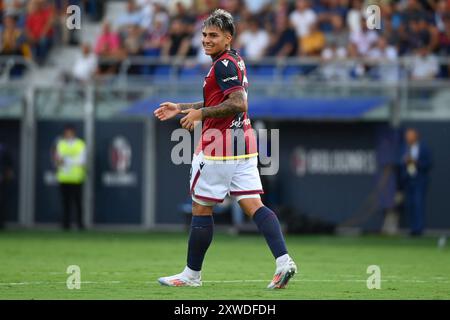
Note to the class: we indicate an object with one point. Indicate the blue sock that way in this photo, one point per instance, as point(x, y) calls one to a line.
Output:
point(200, 238)
point(268, 224)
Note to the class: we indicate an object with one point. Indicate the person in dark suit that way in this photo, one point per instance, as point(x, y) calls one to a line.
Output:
point(415, 168)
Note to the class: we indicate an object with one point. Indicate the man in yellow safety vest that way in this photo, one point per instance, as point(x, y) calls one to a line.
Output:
point(70, 159)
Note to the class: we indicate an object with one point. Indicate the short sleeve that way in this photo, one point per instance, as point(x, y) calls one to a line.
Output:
point(227, 76)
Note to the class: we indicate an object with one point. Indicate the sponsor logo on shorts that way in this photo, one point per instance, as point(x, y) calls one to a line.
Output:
point(239, 123)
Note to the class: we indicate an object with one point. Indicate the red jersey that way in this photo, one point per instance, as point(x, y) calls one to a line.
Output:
point(36, 22)
point(230, 137)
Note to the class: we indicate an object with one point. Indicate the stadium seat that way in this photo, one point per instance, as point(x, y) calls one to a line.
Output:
point(189, 73)
point(251, 71)
point(266, 71)
point(162, 71)
point(290, 72)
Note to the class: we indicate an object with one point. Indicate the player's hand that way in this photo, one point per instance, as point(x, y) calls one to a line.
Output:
point(167, 110)
point(192, 116)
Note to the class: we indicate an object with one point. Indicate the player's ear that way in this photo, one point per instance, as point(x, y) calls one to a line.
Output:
point(229, 37)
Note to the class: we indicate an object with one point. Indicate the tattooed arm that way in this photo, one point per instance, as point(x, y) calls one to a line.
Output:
point(193, 105)
point(168, 110)
point(235, 104)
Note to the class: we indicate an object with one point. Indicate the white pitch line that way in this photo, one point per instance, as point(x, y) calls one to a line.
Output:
point(219, 281)
point(324, 280)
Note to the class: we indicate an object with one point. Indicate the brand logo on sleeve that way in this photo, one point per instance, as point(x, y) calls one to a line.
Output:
point(230, 79)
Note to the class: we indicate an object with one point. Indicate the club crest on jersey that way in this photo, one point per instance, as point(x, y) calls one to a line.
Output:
point(241, 65)
point(225, 62)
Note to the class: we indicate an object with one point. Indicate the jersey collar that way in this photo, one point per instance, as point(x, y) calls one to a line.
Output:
point(222, 53)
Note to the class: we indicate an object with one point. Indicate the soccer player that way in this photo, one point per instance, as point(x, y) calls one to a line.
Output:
point(219, 167)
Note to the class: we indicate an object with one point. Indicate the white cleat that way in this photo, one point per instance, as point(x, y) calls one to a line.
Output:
point(282, 275)
point(180, 280)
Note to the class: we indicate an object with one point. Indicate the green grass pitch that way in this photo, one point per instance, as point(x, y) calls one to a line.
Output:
point(126, 266)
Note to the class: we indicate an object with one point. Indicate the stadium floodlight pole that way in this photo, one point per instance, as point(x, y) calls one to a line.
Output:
point(27, 160)
point(149, 188)
point(89, 136)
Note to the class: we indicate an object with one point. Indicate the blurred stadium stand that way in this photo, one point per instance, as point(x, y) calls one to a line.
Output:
point(108, 78)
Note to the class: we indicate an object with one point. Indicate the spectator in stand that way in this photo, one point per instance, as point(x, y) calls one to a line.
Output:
point(396, 15)
point(355, 16)
point(421, 33)
point(281, 15)
point(330, 14)
point(364, 39)
point(425, 65)
point(179, 42)
point(133, 16)
point(442, 13)
point(13, 40)
point(39, 28)
point(402, 39)
point(407, 25)
point(391, 35)
point(108, 48)
point(133, 39)
point(185, 15)
point(16, 8)
point(86, 65)
point(386, 55)
point(355, 68)
point(256, 7)
point(206, 6)
point(13, 43)
point(283, 42)
point(416, 37)
point(156, 38)
point(302, 18)
point(425, 26)
point(147, 8)
point(156, 19)
point(201, 58)
point(133, 46)
point(234, 7)
point(160, 14)
point(171, 5)
point(333, 66)
point(253, 42)
point(412, 11)
point(313, 43)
